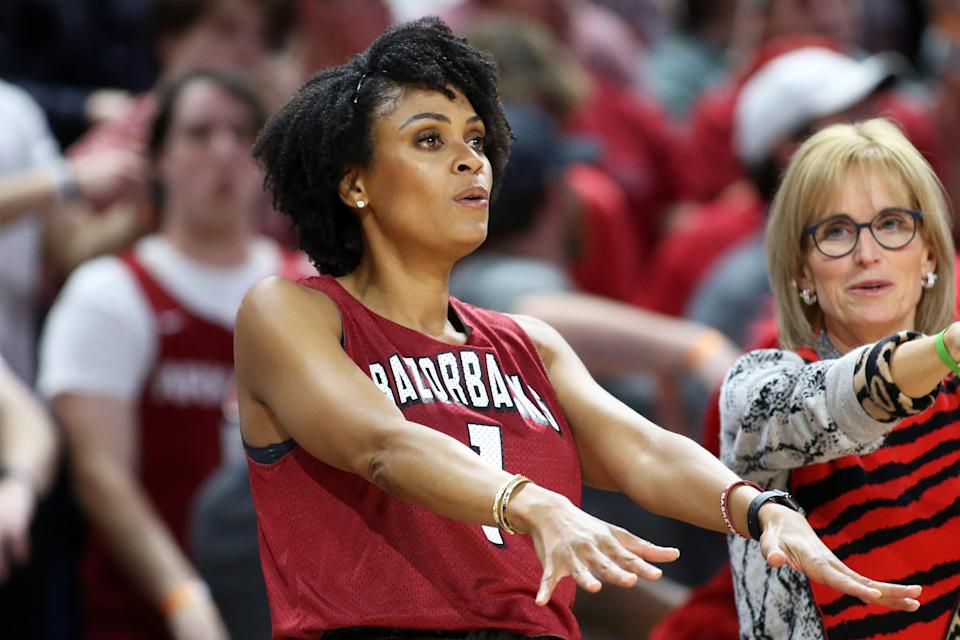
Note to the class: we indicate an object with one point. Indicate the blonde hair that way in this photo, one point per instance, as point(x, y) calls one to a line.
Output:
point(817, 171)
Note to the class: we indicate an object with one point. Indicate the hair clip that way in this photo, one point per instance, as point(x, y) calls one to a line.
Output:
point(356, 94)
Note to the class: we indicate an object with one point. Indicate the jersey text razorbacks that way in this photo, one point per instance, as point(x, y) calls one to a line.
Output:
point(463, 377)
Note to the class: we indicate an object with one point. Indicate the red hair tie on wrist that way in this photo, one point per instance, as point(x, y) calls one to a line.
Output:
point(724, 499)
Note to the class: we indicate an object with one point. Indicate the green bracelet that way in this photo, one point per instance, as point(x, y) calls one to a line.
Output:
point(945, 356)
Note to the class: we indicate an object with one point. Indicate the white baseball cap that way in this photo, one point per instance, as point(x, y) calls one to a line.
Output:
point(797, 87)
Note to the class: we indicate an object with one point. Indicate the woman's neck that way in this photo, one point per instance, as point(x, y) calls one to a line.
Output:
point(415, 296)
point(846, 340)
point(220, 249)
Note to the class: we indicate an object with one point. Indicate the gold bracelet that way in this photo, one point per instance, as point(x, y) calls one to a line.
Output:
point(497, 500)
point(503, 500)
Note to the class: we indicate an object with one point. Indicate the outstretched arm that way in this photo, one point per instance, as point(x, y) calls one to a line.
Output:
point(671, 475)
point(780, 413)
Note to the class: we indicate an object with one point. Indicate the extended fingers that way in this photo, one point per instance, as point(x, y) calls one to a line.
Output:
point(610, 562)
point(896, 591)
point(584, 577)
point(589, 563)
point(554, 572)
point(887, 594)
point(900, 604)
point(592, 551)
point(824, 571)
point(548, 582)
point(643, 548)
point(807, 553)
point(628, 560)
point(826, 568)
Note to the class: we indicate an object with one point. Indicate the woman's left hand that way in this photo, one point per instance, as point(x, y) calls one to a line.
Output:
point(788, 539)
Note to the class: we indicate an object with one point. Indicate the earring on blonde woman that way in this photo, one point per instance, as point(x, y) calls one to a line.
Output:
point(929, 280)
point(808, 296)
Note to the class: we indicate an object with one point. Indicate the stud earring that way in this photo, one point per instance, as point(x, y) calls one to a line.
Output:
point(808, 296)
point(929, 280)
point(361, 204)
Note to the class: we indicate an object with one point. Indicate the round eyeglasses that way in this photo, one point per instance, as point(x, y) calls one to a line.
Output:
point(837, 236)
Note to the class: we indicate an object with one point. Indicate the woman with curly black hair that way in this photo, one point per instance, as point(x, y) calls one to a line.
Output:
point(396, 436)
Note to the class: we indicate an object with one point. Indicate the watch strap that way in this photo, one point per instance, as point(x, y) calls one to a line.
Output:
point(773, 495)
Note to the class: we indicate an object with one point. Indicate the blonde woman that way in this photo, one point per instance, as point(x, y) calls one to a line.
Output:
point(856, 414)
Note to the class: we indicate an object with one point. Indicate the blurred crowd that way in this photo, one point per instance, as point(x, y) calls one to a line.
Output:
point(650, 136)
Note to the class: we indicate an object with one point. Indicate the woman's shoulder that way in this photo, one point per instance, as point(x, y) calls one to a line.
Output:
point(276, 305)
point(539, 332)
point(546, 340)
point(753, 368)
point(767, 358)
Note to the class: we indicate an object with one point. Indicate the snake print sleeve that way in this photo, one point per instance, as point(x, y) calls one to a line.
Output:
point(778, 412)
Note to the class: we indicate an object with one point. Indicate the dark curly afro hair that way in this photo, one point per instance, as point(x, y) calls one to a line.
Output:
point(306, 147)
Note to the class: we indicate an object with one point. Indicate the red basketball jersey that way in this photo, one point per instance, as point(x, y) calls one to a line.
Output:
point(180, 413)
point(337, 551)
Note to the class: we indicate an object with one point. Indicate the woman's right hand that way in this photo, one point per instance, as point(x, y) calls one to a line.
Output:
point(571, 542)
point(788, 539)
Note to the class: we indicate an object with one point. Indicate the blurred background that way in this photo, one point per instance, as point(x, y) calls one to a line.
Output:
point(650, 138)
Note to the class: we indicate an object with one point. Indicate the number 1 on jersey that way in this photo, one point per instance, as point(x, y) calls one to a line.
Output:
point(485, 440)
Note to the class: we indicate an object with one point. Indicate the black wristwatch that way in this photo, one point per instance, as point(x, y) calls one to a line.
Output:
point(774, 495)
